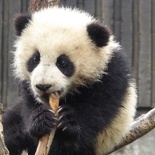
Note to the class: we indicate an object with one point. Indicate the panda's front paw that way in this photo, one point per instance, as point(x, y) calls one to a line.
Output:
point(42, 122)
point(68, 128)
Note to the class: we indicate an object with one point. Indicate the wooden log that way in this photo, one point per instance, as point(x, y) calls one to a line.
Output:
point(108, 13)
point(144, 68)
point(69, 3)
point(153, 54)
point(126, 27)
point(90, 7)
point(5, 49)
point(12, 84)
point(117, 19)
point(1, 61)
point(135, 54)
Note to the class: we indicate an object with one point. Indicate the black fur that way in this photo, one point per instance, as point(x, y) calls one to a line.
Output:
point(21, 22)
point(33, 61)
point(81, 117)
point(98, 34)
point(65, 65)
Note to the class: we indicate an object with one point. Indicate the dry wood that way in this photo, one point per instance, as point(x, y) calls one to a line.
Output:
point(46, 141)
point(36, 5)
point(42, 145)
point(3, 149)
point(54, 103)
point(141, 126)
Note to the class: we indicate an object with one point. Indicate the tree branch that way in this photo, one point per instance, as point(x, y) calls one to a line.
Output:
point(141, 126)
point(3, 149)
point(36, 5)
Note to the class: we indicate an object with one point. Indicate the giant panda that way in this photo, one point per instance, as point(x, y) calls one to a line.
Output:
point(69, 52)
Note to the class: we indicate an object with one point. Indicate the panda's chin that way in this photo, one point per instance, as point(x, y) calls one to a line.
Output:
point(45, 98)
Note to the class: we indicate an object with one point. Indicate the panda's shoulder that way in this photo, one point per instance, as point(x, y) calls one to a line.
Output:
point(119, 63)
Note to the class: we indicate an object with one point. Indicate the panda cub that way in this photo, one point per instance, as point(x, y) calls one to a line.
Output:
point(69, 52)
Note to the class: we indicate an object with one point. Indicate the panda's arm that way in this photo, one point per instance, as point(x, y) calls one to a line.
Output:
point(38, 119)
point(80, 121)
point(16, 139)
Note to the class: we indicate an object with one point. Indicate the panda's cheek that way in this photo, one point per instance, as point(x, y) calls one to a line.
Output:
point(34, 88)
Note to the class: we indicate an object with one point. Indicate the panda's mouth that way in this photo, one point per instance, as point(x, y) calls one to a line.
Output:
point(45, 96)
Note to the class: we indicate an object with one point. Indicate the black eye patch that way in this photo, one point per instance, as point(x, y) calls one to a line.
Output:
point(65, 65)
point(33, 61)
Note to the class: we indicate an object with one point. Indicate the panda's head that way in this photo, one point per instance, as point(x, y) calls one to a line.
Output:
point(58, 49)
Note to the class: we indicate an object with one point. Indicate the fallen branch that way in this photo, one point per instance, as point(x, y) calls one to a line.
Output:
point(36, 5)
point(3, 149)
point(141, 126)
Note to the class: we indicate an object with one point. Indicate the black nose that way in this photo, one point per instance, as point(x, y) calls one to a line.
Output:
point(43, 87)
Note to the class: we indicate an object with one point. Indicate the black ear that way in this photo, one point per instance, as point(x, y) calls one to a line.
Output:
point(20, 23)
point(98, 34)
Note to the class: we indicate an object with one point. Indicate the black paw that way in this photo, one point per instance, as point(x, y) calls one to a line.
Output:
point(68, 129)
point(43, 121)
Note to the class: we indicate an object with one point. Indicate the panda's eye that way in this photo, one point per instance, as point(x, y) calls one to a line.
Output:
point(36, 59)
point(62, 62)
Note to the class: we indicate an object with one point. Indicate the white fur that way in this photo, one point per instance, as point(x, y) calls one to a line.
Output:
point(120, 126)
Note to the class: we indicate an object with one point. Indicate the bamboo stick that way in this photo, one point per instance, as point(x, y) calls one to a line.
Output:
point(46, 141)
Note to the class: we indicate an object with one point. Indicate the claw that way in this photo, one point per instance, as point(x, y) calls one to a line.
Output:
point(60, 117)
point(54, 124)
point(64, 128)
point(51, 111)
point(60, 108)
point(59, 125)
